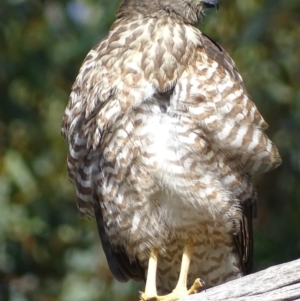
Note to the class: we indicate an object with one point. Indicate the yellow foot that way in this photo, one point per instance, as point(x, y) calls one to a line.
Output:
point(176, 294)
point(197, 286)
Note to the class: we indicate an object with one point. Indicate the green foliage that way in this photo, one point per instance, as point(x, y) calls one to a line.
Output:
point(47, 252)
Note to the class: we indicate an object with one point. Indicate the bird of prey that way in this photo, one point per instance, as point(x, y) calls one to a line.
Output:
point(163, 142)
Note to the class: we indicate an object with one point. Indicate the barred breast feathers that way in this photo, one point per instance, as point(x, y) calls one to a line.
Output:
point(142, 58)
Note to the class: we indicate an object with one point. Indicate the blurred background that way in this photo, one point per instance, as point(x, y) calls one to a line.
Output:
point(47, 251)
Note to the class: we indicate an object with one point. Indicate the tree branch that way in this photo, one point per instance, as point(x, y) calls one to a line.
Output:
point(280, 282)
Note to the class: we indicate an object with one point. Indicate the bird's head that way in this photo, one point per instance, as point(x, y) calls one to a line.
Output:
point(189, 11)
point(210, 3)
point(199, 7)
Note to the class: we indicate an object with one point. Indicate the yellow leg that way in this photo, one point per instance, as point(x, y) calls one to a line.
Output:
point(150, 289)
point(185, 264)
point(181, 287)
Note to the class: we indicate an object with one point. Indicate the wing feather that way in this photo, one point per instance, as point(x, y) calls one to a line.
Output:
point(119, 263)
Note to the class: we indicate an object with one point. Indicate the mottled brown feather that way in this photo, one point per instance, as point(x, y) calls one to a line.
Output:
point(163, 141)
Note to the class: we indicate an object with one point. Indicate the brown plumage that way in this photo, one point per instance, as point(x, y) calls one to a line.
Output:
point(163, 141)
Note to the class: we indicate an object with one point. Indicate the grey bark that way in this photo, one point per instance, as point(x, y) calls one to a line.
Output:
point(280, 282)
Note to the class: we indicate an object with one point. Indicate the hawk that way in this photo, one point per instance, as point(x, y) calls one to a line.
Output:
point(163, 142)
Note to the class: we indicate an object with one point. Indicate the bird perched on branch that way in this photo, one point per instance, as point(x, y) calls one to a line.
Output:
point(163, 142)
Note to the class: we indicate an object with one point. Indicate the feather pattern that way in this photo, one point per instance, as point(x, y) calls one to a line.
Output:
point(163, 141)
